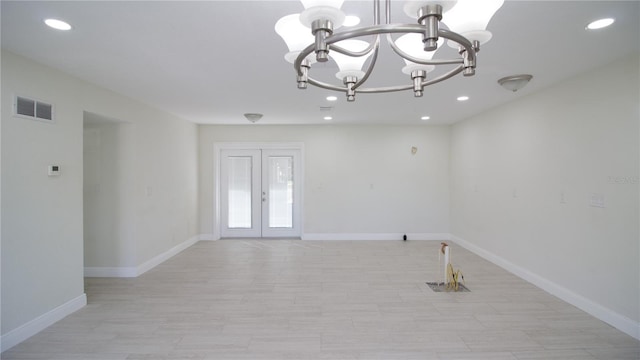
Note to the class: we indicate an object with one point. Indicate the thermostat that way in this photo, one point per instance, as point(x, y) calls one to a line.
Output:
point(54, 170)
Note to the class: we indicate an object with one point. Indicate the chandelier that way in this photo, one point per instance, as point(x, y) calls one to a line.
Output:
point(311, 37)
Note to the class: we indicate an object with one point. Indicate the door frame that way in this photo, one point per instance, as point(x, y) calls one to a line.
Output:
point(217, 165)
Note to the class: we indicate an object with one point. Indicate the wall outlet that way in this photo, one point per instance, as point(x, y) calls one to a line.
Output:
point(597, 200)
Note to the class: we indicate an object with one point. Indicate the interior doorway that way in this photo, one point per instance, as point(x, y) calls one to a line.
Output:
point(108, 194)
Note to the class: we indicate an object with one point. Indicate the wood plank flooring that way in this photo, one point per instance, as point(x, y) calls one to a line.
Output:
point(288, 299)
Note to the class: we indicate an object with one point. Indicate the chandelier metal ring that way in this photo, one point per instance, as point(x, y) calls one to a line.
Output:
point(377, 30)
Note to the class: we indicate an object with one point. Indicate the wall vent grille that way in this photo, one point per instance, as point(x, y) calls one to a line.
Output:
point(33, 109)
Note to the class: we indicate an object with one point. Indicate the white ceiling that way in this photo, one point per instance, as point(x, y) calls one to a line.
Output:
point(211, 61)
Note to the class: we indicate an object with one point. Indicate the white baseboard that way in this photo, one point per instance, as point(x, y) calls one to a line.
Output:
point(142, 268)
point(22, 333)
point(207, 237)
point(110, 272)
point(150, 264)
point(620, 322)
point(374, 236)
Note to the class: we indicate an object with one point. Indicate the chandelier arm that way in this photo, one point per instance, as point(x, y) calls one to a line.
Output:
point(364, 52)
point(416, 60)
point(372, 64)
point(457, 70)
point(325, 85)
point(374, 30)
point(385, 89)
point(376, 12)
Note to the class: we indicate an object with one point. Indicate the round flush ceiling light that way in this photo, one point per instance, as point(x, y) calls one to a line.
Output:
point(57, 24)
point(332, 98)
point(328, 118)
point(463, 98)
point(515, 82)
point(600, 23)
point(425, 118)
point(253, 117)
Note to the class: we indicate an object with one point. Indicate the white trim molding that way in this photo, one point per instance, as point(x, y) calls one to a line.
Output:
point(150, 264)
point(123, 272)
point(375, 236)
point(142, 268)
point(22, 333)
point(620, 322)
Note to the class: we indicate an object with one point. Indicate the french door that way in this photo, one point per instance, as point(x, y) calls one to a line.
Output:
point(260, 193)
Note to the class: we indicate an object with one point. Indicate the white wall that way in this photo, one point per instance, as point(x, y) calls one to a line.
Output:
point(42, 217)
point(523, 176)
point(358, 179)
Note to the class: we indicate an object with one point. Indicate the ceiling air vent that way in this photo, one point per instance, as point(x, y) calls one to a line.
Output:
point(33, 109)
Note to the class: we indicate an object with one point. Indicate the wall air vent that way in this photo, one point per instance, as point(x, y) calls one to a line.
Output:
point(33, 109)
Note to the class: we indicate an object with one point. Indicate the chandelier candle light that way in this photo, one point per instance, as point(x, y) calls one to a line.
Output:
point(311, 37)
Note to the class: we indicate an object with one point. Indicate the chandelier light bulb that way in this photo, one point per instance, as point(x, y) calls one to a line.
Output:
point(350, 65)
point(322, 10)
point(470, 18)
point(351, 20)
point(411, 44)
point(295, 35)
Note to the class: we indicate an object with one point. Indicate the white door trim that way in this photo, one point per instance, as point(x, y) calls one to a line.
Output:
point(217, 150)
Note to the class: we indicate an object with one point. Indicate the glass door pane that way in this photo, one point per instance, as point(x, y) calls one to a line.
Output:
point(239, 192)
point(280, 192)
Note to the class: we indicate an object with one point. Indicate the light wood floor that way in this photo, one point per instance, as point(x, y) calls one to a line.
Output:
point(284, 299)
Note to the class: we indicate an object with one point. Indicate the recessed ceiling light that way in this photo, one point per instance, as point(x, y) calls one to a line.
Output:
point(351, 20)
point(425, 118)
point(57, 24)
point(463, 98)
point(332, 98)
point(600, 23)
point(328, 118)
